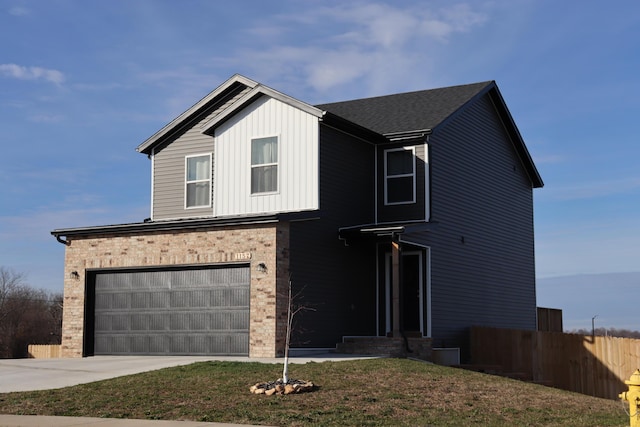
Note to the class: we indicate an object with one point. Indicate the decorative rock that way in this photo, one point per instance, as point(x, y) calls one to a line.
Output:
point(278, 387)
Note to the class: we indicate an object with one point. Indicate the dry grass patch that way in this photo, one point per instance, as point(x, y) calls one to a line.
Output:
point(378, 392)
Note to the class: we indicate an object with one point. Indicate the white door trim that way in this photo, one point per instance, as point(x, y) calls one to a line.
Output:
point(424, 288)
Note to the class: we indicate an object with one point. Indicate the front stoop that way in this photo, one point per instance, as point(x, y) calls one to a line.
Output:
point(418, 348)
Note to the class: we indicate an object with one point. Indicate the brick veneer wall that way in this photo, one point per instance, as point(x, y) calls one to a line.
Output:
point(266, 243)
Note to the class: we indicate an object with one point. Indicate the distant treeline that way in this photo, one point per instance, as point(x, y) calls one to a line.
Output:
point(27, 315)
point(608, 332)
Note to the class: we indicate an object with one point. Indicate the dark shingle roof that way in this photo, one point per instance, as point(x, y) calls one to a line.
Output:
point(408, 111)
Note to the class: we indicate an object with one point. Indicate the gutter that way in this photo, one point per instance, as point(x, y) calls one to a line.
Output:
point(181, 224)
point(141, 227)
point(410, 134)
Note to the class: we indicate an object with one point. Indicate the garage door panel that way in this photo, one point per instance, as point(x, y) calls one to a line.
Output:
point(140, 322)
point(236, 343)
point(238, 320)
point(195, 311)
point(190, 298)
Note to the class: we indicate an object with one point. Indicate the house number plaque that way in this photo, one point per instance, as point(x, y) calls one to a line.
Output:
point(241, 256)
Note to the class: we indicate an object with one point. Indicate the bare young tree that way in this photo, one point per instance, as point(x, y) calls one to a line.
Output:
point(294, 306)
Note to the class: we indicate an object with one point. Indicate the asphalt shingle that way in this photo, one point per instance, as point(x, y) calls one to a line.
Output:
point(408, 111)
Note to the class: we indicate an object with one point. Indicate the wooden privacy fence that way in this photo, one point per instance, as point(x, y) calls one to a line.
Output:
point(596, 366)
point(37, 351)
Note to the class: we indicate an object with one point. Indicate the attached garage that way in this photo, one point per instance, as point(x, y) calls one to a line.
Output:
point(168, 311)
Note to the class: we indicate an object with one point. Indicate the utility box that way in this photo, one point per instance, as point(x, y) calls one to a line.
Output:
point(446, 356)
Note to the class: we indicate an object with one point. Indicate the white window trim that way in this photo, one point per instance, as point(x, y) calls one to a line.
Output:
point(276, 164)
point(186, 182)
point(153, 183)
point(427, 184)
point(412, 175)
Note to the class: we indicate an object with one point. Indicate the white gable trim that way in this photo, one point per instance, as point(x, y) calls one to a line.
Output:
point(253, 94)
point(237, 78)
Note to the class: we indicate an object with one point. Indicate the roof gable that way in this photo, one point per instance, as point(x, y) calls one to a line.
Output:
point(391, 115)
point(233, 86)
point(235, 83)
point(406, 112)
point(426, 111)
point(252, 95)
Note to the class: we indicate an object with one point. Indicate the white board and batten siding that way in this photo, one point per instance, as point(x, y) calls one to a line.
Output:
point(298, 170)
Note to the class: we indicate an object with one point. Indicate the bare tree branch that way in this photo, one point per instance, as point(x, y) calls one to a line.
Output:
point(294, 306)
point(27, 315)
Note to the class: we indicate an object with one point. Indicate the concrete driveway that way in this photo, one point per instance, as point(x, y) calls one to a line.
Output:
point(45, 374)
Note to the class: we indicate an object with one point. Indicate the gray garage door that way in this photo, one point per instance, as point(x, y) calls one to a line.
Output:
point(201, 311)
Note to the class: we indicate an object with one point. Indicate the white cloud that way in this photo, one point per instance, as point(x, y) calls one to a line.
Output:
point(375, 44)
point(19, 11)
point(604, 246)
point(327, 53)
point(461, 18)
point(99, 87)
point(46, 118)
point(592, 189)
point(31, 73)
point(37, 225)
point(82, 210)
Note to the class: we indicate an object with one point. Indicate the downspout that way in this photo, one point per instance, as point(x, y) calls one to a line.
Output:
point(61, 240)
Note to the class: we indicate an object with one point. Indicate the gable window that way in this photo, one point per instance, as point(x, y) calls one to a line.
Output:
point(198, 181)
point(264, 165)
point(399, 176)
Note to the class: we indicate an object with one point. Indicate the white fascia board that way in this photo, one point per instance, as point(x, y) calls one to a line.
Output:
point(252, 94)
point(236, 78)
point(307, 108)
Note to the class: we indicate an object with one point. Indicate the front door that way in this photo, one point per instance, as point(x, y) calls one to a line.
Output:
point(411, 293)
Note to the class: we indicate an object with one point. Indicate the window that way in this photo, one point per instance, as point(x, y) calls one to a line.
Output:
point(198, 181)
point(399, 179)
point(264, 165)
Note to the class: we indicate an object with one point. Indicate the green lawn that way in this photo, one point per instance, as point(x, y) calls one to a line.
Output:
point(374, 392)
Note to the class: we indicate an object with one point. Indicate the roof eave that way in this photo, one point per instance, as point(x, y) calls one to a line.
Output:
point(169, 225)
point(501, 107)
point(516, 138)
point(185, 224)
point(338, 122)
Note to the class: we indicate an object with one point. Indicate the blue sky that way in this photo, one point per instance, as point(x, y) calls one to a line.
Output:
point(83, 83)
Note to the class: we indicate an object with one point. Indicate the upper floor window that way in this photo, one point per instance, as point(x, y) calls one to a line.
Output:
point(198, 181)
point(264, 165)
point(399, 176)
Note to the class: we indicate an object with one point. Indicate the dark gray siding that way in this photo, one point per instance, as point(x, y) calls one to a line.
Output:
point(406, 211)
point(482, 259)
point(337, 281)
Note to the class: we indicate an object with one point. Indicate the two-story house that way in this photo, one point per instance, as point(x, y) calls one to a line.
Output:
point(404, 218)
